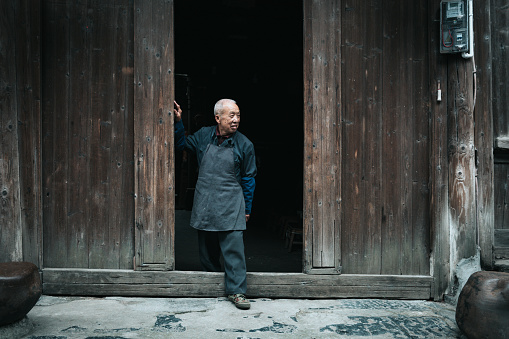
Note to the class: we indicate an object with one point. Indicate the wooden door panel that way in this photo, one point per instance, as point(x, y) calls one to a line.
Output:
point(153, 134)
point(322, 135)
point(367, 203)
point(87, 133)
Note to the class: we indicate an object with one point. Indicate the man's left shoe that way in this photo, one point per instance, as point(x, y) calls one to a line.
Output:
point(240, 301)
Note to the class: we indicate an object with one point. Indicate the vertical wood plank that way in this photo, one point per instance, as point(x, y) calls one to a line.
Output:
point(322, 128)
point(418, 181)
point(405, 220)
point(499, 18)
point(28, 69)
point(484, 132)
point(500, 44)
point(78, 177)
point(308, 218)
point(106, 75)
point(439, 200)
point(88, 134)
point(56, 98)
point(123, 163)
point(461, 150)
point(392, 197)
point(361, 132)
point(10, 206)
point(153, 134)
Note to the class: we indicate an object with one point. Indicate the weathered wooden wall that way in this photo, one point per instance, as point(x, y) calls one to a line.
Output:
point(390, 172)
point(87, 133)
point(500, 51)
point(20, 151)
point(367, 135)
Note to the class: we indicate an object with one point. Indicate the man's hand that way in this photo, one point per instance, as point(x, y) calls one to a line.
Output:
point(247, 217)
point(177, 111)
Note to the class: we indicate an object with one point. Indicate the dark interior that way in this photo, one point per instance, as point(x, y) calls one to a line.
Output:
point(250, 51)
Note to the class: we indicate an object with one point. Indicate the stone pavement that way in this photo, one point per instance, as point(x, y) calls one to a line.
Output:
point(122, 317)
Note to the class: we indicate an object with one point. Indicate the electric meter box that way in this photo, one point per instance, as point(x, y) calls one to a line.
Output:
point(454, 26)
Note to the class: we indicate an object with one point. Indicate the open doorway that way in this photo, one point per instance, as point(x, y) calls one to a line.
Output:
point(250, 51)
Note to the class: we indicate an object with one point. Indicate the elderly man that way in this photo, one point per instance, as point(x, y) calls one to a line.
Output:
point(223, 195)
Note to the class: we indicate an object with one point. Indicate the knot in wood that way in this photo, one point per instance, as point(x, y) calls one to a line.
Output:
point(460, 175)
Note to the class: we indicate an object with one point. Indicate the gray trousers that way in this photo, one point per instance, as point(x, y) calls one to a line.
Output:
point(231, 245)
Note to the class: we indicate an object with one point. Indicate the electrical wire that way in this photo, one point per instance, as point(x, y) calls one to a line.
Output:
point(450, 36)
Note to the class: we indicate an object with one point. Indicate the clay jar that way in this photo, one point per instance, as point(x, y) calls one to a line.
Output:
point(483, 306)
point(20, 288)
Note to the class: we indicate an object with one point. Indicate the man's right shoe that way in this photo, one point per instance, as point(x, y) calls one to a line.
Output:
point(240, 301)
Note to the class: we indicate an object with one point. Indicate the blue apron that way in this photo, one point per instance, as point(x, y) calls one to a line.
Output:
point(218, 198)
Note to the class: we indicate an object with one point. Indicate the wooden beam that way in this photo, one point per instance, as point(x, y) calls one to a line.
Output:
point(205, 284)
point(483, 115)
point(440, 233)
point(461, 150)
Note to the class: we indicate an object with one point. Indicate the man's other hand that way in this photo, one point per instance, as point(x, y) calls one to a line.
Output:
point(247, 217)
point(177, 111)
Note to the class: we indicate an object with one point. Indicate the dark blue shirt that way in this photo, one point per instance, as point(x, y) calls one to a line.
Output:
point(243, 150)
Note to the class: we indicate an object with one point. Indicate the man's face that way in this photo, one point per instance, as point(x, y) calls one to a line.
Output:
point(229, 119)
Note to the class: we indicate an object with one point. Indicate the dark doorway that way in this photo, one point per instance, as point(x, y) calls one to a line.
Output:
point(250, 51)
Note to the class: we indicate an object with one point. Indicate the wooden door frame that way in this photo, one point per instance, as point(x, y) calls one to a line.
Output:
point(314, 283)
point(172, 283)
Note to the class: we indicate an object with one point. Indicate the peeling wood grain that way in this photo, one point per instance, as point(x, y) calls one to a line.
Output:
point(322, 147)
point(483, 129)
point(461, 151)
point(153, 133)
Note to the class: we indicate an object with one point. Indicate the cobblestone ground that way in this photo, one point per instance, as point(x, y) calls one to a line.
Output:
point(66, 317)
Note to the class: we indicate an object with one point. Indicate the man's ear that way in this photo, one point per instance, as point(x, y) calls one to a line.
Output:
point(217, 118)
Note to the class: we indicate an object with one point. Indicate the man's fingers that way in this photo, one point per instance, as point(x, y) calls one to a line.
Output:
point(177, 111)
point(177, 106)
